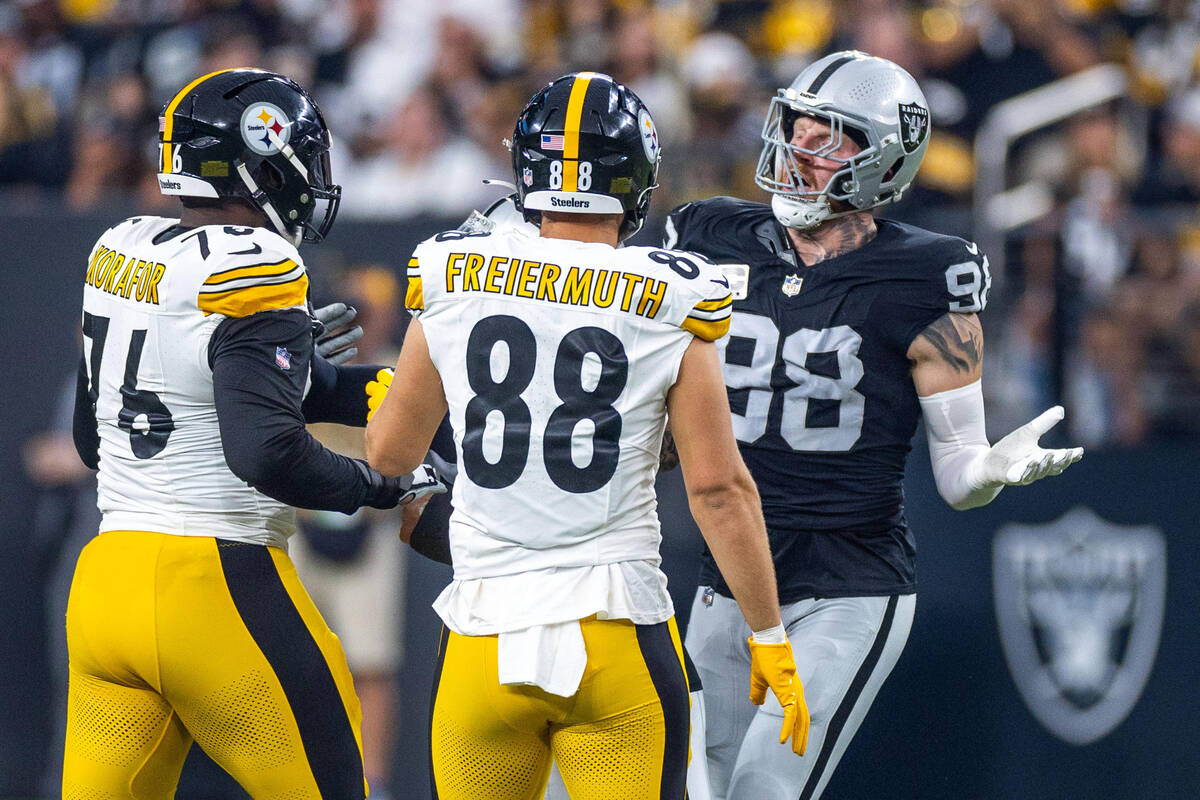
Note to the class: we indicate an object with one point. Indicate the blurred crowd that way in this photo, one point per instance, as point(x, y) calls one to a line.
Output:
point(1098, 303)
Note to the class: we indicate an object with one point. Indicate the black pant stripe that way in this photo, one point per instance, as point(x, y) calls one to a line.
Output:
point(433, 693)
point(662, 662)
point(831, 68)
point(693, 675)
point(279, 631)
point(834, 730)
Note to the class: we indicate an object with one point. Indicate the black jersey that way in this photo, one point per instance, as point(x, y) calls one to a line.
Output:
point(817, 370)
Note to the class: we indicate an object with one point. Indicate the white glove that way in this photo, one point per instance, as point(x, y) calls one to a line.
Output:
point(1017, 460)
point(424, 480)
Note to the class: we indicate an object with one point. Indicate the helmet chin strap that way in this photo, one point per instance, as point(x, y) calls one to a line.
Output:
point(260, 199)
point(803, 215)
point(800, 214)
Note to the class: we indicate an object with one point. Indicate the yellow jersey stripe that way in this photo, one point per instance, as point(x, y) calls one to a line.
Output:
point(169, 116)
point(571, 133)
point(252, 299)
point(254, 270)
point(709, 331)
point(414, 298)
point(715, 305)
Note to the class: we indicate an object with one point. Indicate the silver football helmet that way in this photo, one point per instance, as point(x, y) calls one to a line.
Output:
point(870, 100)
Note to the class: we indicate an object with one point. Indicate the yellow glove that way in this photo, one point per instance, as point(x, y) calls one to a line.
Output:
point(772, 665)
point(376, 389)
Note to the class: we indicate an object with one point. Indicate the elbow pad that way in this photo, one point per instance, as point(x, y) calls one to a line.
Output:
point(954, 428)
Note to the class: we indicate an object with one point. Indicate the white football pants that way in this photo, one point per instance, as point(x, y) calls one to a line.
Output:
point(844, 647)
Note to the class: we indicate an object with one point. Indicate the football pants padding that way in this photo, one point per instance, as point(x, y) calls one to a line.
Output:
point(175, 637)
point(623, 734)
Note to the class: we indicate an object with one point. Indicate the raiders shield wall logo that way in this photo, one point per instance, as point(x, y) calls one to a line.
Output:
point(1079, 604)
point(914, 126)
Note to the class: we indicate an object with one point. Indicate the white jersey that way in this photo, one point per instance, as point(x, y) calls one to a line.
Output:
point(556, 357)
point(149, 311)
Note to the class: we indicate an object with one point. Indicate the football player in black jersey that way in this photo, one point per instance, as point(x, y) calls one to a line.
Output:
point(845, 329)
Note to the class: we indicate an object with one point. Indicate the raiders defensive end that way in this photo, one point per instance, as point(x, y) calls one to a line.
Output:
point(845, 330)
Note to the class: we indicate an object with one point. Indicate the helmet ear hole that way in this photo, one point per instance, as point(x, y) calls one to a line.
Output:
point(893, 169)
point(269, 177)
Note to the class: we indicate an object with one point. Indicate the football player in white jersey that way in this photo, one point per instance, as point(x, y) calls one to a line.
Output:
point(558, 357)
point(186, 620)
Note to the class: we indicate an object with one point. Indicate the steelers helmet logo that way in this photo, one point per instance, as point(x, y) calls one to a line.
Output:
point(265, 128)
point(649, 135)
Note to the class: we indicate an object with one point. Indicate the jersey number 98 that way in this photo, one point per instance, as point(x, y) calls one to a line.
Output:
point(809, 391)
point(572, 381)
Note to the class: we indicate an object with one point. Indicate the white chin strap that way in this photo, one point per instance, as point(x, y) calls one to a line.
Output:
point(268, 208)
point(800, 214)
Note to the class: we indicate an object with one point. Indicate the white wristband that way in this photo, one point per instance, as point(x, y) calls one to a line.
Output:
point(776, 635)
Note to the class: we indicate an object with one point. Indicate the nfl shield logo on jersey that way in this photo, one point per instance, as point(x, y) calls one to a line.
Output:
point(1079, 603)
point(283, 359)
point(527, 176)
point(791, 285)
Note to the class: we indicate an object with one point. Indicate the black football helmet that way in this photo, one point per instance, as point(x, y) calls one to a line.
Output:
point(586, 144)
point(253, 135)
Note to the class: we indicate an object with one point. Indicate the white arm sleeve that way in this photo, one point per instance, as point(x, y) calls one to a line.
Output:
point(954, 427)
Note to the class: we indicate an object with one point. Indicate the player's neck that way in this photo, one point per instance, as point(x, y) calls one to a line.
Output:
point(833, 238)
point(228, 214)
point(602, 228)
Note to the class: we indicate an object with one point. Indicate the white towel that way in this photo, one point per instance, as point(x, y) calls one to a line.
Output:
point(551, 657)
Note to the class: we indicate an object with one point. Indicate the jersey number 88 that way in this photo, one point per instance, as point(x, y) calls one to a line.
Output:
point(579, 402)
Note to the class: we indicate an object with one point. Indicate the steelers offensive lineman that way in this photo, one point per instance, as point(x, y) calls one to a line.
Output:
point(186, 620)
point(558, 357)
point(845, 330)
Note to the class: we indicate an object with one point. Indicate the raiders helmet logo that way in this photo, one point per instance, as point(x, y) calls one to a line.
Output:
point(1079, 603)
point(914, 126)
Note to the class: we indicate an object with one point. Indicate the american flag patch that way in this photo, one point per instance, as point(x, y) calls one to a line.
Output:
point(552, 141)
point(283, 359)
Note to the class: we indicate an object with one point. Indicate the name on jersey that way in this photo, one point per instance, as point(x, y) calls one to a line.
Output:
point(124, 276)
point(550, 283)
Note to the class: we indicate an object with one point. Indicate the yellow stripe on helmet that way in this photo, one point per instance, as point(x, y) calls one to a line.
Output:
point(571, 133)
point(169, 116)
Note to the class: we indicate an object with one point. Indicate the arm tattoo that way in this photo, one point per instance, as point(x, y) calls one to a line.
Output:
point(668, 458)
point(958, 339)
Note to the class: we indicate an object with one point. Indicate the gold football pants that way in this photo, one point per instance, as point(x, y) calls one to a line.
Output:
point(623, 734)
point(181, 638)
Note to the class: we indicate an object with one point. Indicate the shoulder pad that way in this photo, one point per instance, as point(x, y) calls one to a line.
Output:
point(703, 287)
point(714, 226)
point(952, 271)
point(252, 270)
